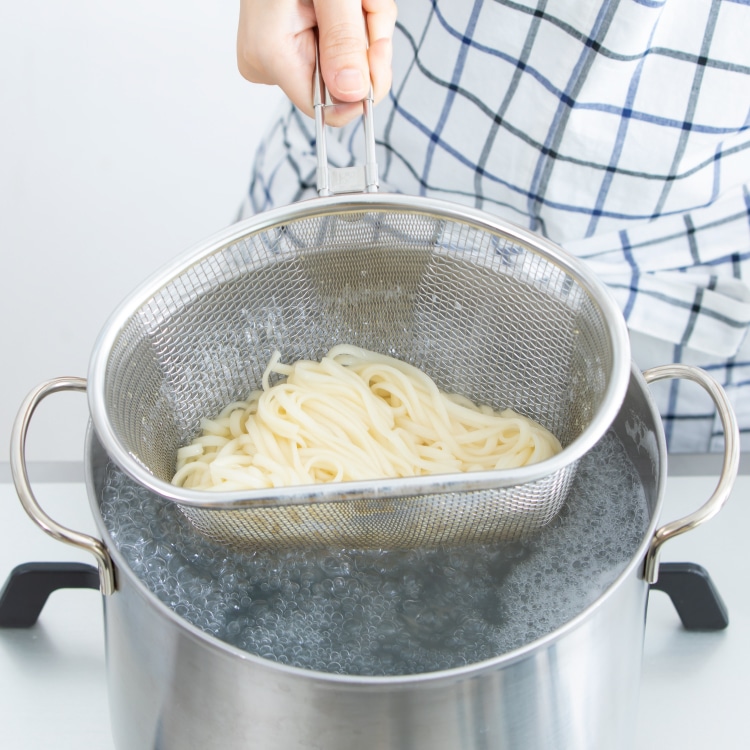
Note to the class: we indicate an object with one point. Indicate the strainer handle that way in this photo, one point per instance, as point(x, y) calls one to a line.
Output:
point(361, 178)
point(26, 495)
point(729, 468)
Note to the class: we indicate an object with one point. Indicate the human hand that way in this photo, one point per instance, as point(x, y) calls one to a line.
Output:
point(276, 45)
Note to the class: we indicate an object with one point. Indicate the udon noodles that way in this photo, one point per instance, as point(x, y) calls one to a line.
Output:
point(354, 415)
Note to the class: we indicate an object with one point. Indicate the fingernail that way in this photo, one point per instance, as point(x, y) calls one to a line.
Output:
point(350, 81)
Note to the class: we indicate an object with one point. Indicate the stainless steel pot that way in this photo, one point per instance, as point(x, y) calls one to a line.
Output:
point(173, 687)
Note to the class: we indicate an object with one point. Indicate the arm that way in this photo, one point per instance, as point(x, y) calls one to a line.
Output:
point(276, 45)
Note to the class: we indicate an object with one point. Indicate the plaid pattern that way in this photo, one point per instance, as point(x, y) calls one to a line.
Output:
point(617, 128)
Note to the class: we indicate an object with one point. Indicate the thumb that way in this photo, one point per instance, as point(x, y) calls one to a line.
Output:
point(343, 49)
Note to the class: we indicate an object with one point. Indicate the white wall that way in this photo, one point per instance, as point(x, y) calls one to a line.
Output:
point(126, 136)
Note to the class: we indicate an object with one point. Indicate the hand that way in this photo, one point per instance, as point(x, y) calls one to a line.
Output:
point(276, 45)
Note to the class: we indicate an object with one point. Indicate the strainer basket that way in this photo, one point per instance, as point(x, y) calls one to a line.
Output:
point(487, 309)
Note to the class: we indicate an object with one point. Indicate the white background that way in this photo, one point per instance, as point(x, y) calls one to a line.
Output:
point(126, 136)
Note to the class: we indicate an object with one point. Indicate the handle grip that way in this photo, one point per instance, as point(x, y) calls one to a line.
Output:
point(361, 178)
point(694, 596)
point(23, 486)
point(729, 468)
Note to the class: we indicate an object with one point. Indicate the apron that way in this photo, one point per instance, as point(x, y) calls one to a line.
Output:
point(620, 130)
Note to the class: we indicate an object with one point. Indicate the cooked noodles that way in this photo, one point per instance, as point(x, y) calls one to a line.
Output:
point(354, 415)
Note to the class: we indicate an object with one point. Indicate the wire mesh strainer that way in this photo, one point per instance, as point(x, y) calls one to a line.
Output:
point(488, 310)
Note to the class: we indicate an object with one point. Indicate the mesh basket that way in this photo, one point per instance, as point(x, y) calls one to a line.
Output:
point(486, 309)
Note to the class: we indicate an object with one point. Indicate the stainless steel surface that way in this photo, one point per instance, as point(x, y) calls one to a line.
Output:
point(26, 495)
point(173, 687)
point(175, 690)
point(60, 663)
point(485, 308)
point(729, 468)
point(576, 689)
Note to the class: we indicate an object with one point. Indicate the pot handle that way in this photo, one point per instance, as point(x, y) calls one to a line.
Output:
point(728, 471)
point(26, 495)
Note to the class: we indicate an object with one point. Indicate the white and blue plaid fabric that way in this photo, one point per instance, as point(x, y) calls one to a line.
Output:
point(618, 128)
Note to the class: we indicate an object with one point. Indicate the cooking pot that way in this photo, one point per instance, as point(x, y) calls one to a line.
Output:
point(175, 687)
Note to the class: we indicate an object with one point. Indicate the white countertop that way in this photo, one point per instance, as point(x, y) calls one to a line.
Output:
point(695, 686)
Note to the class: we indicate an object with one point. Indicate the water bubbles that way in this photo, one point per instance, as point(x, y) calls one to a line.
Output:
point(387, 612)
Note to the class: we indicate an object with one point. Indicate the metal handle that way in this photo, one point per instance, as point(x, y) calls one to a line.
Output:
point(23, 486)
point(362, 178)
point(728, 471)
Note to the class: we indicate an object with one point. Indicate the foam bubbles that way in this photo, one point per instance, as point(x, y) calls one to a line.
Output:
point(387, 612)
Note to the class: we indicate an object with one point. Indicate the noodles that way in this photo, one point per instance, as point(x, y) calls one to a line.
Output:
point(354, 415)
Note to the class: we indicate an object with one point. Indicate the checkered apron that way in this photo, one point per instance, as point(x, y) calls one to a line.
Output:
point(620, 129)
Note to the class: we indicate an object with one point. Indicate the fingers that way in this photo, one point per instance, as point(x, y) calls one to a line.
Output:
point(355, 52)
point(342, 40)
point(276, 45)
point(381, 22)
point(344, 34)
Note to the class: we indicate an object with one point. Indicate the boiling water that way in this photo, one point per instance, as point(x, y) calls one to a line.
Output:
point(388, 612)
